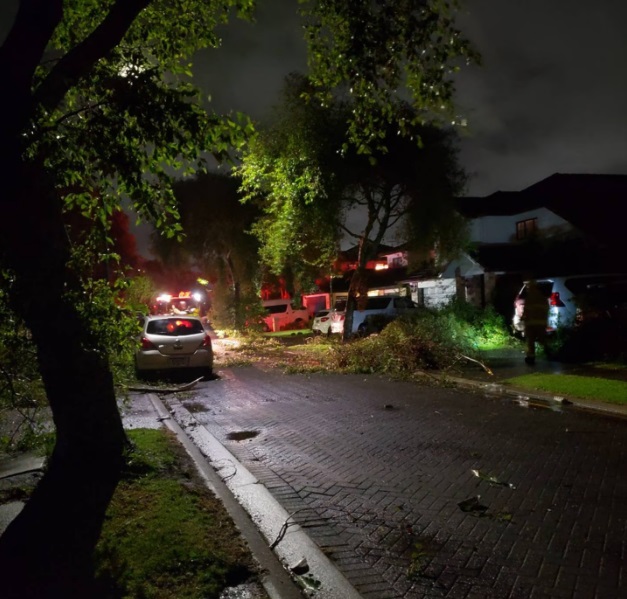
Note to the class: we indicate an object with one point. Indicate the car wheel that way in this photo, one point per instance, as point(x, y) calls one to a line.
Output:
point(207, 374)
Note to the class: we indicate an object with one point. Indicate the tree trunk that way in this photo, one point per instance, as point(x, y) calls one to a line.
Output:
point(47, 550)
point(358, 288)
point(235, 290)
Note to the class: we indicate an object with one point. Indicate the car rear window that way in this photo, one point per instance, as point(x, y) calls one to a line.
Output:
point(176, 327)
point(276, 309)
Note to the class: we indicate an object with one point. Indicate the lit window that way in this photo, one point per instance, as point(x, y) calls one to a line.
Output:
point(526, 228)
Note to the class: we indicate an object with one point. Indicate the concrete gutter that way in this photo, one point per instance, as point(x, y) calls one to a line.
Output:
point(263, 522)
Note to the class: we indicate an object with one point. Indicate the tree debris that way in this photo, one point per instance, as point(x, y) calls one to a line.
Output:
point(492, 480)
point(177, 389)
point(473, 506)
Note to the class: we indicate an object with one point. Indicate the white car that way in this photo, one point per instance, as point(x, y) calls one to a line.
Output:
point(576, 298)
point(174, 343)
point(386, 305)
point(322, 322)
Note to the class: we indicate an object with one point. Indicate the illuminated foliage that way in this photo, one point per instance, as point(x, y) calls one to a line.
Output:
point(310, 188)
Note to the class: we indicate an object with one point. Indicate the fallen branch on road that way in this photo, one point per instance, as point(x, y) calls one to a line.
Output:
point(177, 389)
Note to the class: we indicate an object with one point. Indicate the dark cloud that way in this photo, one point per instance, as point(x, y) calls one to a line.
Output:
point(551, 93)
point(246, 73)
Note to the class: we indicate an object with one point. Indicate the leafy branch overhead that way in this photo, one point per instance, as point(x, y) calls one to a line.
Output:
point(379, 52)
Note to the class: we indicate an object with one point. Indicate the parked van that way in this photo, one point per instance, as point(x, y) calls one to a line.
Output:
point(577, 298)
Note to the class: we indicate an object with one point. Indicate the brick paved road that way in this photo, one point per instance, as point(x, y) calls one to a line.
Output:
point(374, 471)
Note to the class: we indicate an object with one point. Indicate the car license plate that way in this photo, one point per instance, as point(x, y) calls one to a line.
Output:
point(179, 361)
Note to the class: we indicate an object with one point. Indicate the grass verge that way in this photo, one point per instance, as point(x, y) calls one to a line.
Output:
point(165, 534)
point(290, 333)
point(584, 387)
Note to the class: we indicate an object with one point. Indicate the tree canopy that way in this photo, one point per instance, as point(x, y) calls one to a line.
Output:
point(311, 183)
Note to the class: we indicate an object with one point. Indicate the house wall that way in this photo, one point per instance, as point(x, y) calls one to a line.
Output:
point(502, 229)
point(435, 293)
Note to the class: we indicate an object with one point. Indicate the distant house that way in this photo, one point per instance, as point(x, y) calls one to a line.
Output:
point(564, 224)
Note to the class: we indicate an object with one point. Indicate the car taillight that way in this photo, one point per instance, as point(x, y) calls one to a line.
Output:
point(324, 319)
point(206, 342)
point(555, 300)
point(147, 344)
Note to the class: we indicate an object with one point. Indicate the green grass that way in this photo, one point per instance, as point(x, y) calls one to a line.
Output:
point(165, 535)
point(608, 366)
point(289, 333)
point(571, 385)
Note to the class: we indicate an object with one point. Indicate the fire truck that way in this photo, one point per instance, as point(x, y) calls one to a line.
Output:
point(186, 302)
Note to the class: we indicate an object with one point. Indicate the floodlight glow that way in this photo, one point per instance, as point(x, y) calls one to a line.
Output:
point(164, 297)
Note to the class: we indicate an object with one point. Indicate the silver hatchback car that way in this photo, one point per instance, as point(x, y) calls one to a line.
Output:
point(174, 343)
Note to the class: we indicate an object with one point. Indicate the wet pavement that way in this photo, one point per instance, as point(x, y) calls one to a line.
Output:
point(424, 491)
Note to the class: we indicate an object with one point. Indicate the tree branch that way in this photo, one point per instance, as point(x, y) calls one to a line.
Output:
point(20, 54)
point(348, 231)
point(79, 60)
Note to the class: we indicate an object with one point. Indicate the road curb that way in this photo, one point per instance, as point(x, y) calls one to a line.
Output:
point(538, 399)
point(234, 484)
point(274, 578)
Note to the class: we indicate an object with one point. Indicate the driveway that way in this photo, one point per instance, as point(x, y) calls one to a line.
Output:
point(417, 491)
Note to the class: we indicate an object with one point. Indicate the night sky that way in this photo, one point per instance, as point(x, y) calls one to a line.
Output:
point(551, 95)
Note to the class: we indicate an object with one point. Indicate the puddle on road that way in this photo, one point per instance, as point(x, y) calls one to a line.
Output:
point(242, 435)
point(195, 406)
point(527, 402)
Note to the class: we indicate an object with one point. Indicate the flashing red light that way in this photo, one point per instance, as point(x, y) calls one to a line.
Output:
point(555, 300)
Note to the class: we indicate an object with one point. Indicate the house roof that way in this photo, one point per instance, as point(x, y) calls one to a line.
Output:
point(594, 204)
point(350, 254)
point(500, 203)
point(504, 257)
point(376, 279)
